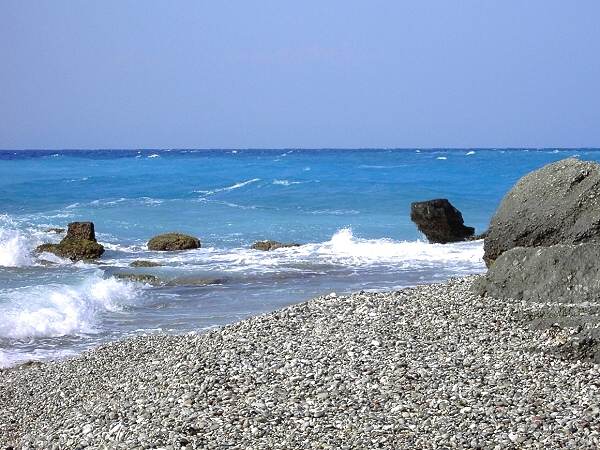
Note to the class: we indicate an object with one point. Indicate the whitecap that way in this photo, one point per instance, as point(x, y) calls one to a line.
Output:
point(58, 310)
point(228, 188)
point(154, 155)
point(471, 152)
point(442, 157)
point(14, 249)
point(286, 182)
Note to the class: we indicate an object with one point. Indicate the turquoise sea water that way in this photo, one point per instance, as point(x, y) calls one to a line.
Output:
point(351, 208)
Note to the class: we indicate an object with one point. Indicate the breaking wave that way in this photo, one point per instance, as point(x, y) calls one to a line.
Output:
point(58, 309)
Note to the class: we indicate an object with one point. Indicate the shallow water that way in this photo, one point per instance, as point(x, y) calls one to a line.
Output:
point(350, 207)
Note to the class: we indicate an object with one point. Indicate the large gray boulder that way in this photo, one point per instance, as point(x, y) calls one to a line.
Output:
point(561, 288)
point(557, 204)
point(555, 274)
point(440, 221)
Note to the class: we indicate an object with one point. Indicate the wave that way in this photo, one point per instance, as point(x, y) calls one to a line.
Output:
point(59, 310)
point(18, 238)
point(471, 152)
point(342, 250)
point(442, 157)
point(335, 212)
point(154, 155)
point(374, 166)
point(345, 248)
point(102, 202)
point(286, 182)
point(228, 188)
point(14, 249)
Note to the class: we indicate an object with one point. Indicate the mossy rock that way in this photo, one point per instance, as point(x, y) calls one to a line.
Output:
point(144, 263)
point(272, 245)
point(74, 249)
point(173, 241)
point(139, 278)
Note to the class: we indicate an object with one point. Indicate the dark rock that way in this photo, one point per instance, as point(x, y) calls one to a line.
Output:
point(55, 230)
point(558, 274)
point(79, 243)
point(439, 221)
point(81, 230)
point(195, 281)
point(173, 241)
point(557, 204)
point(139, 278)
point(144, 263)
point(74, 249)
point(272, 245)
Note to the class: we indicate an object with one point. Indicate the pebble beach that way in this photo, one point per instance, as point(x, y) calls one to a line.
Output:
point(435, 366)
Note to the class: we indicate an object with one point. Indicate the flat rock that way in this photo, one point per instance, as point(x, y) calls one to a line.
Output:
point(272, 245)
point(557, 204)
point(195, 281)
point(144, 263)
point(173, 241)
point(139, 278)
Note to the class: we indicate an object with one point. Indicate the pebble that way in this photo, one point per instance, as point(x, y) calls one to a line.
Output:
point(426, 367)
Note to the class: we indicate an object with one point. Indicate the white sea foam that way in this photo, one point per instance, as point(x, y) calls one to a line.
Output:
point(228, 188)
point(343, 249)
point(154, 155)
point(14, 249)
point(442, 157)
point(471, 152)
point(286, 182)
point(58, 310)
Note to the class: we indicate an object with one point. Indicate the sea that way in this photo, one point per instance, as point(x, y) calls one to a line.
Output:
point(349, 208)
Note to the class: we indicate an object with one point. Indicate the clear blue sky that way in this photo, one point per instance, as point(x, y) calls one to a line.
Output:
point(229, 74)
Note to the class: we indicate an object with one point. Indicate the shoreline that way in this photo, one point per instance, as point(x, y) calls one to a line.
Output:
point(423, 367)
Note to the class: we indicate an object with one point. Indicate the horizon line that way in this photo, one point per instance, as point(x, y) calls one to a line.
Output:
point(287, 148)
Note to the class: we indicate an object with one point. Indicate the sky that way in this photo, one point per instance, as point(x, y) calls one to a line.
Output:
point(309, 74)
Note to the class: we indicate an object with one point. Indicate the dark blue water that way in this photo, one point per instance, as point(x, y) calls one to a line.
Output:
point(350, 206)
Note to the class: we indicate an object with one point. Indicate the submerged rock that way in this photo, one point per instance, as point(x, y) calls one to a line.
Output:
point(195, 281)
point(79, 243)
point(144, 263)
point(439, 221)
point(272, 245)
point(557, 204)
point(173, 241)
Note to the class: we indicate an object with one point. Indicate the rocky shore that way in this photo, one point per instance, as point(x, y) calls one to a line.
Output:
point(435, 366)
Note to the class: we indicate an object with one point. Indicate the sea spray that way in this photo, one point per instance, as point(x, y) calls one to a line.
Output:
point(58, 310)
